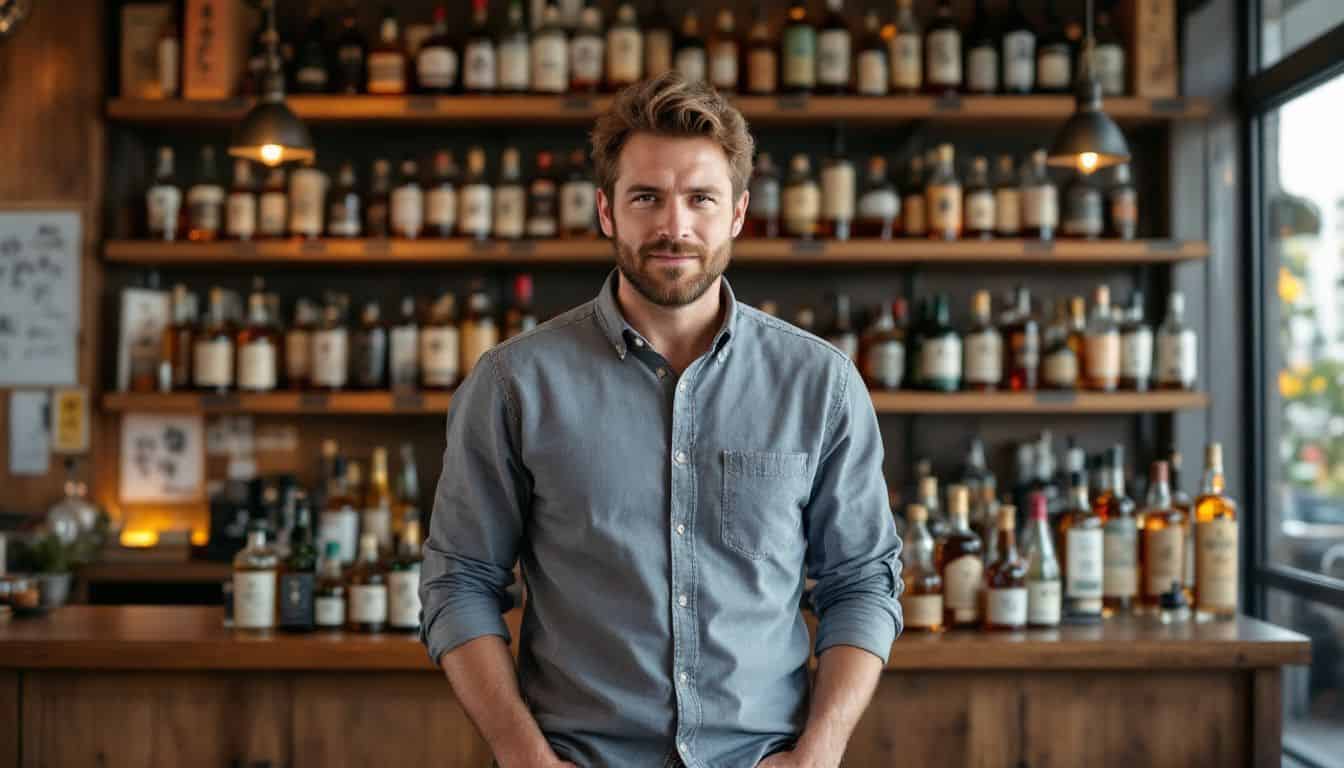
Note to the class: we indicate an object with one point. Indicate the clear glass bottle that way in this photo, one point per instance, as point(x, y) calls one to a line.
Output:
point(1136, 348)
point(983, 347)
point(376, 514)
point(1101, 356)
point(1044, 592)
point(476, 200)
point(960, 563)
point(1216, 555)
point(329, 594)
point(403, 580)
point(367, 587)
point(255, 570)
point(1177, 348)
point(1108, 55)
point(163, 200)
point(943, 197)
point(1080, 532)
point(403, 357)
point(922, 597)
point(1120, 544)
point(1162, 546)
point(1006, 594)
point(340, 518)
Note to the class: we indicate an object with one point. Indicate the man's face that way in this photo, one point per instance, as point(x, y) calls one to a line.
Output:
point(672, 216)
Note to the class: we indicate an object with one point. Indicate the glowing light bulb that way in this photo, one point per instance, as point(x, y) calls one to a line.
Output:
point(271, 153)
point(1087, 162)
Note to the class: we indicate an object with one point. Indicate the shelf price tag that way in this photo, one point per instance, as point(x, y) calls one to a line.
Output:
point(576, 104)
point(422, 104)
point(408, 401)
point(809, 247)
point(378, 246)
point(312, 246)
point(522, 246)
point(947, 103)
point(313, 400)
point(1056, 397)
point(1038, 246)
point(220, 401)
point(792, 102)
point(1167, 106)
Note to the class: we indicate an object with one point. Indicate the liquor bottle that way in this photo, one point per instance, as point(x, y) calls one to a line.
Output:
point(480, 332)
point(799, 51)
point(906, 46)
point(872, 69)
point(519, 317)
point(1006, 595)
point(763, 210)
point(587, 51)
point(942, 52)
point(479, 64)
point(658, 38)
point(914, 213)
point(542, 203)
point(1059, 368)
point(1054, 54)
point(982, 54)
point(177, 343)
point(254, 583)
point(1040, 200)
point(1136, 348)
point(403, 358)
point(922, 597)
point(476, 201)
point(1019, 52)
point(1084, 216)
point(378, 215)
point(340, 519)
point(1081, 535)
point(1078, 332)
point(329, 593)
point(436, 62)
point(837, 191)
point(943, 196)
point(1177, 348)
point(273, 205)
point(299, 346)
point(387, 61)
point(407, 491)
point(1182, 501)
point(205, 201)
point(1120, 545)
point(1122, 205)
point(1165, 532)
point(984, 517)
point(762, 57)
point(307, 197)
point(1043, 571)
point(1215, 542)
point(258, 348)
point(691, 58)
point(880, 203)
point(1007, 199)
point(841, 333)
point(960, 564)
point(403, 581)
point(407, 202)
point(376, 514)
point(439, 345)
point(240, 210)
point(368, 360)
point(1101, 356)
point(983, 366)
point(1023, 342)
point(367, 587)
point(510, 197)
point(515, 53)
point(578, 199)
point(624, 49)
point(163, 200)
point(311, 72)
point(834, 50)
point(212, 347)
point(884, 350)
point(977, 477)
point(928, 497)
point(351, 52)
point(1108, 55)
point(802, 200)
point(940, 351)
point(441, 202)
point(550, 53)
point(331, 351)
point(167, 58)
point(981, 218)
point(299, 577)
point(344, 213)
point(723, 53)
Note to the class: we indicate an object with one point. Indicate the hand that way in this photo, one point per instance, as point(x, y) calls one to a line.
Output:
point(795, 758)
point(543, 757)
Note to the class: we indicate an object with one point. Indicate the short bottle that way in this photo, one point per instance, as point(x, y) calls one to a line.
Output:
point(1044, 587)
point(273, 205)
point(982, 369)
point(1122, 207)
point(942, 52)
point(884, 350)
point(879, 205)
point(922, 598)
point(587, 51)
point(255, 569)
point(367, 586)
point(960, 564)
point(1083, 209)
point(1006, 594)
point(403, 580)
point(205, 200)
point(1082, 539)
point(329, 595)
point(1177, 348)
point(943, 197)
point(914, 212)
point(298, 580)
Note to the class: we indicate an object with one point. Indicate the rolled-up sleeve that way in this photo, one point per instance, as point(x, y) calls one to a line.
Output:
point(853, 549)
point(478, 517)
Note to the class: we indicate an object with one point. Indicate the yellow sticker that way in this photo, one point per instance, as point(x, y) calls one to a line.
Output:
point(70, 421)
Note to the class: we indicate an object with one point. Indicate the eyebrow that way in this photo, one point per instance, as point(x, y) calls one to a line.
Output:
point(641, 189)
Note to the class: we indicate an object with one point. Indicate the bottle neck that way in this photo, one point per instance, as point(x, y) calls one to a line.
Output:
point(1159, 495)
point(1007, 544)
point(1079, 495)
point(1213, 480)
point(256, 539)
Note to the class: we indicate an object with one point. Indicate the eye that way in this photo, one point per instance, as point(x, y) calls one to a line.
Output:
point(702, 199)
point(644, 198)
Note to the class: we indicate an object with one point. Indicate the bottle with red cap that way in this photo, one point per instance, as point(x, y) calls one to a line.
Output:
point(519, 317)
point(1043, 575)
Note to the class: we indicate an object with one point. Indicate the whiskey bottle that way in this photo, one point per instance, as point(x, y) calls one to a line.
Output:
point(943, 196)
point(837, 191)
point(1054, 54)
point(1043, 572)
point(1136, 348)
point(480, 332)
point(299, 346)
point(914, 213)
point(802, 200)
point(298, 579)
point(331, 350)
point(578, 199)
point(872, 72)
point(587, 51)
point(351, 52)
point(799, 51)
point(879, 205)
point(834, 50)
point(519, 317)
point(441, 203)
point(763, 209)
point(1082, 537)
point(1120, 545)
point(1078, 332)
point(542, 205)
point(983, 367)
point(240, 211)
point(976, 476)
point(367, 588)
point(307, 197)
point(1177, 348)
point(163, 200)
point(1165, 530)
point(762, 57)
point(1023, 341)
point(1059, 368)
point(510, 197)
point(376, 514)
point(723, 53)
point(1122, 205)
point(982, 55)
point(841, 333)
point(1040, 200)
point(387, 61)
point(906, 47)
point(981, 217)
point(1215, 542)
point(625, 49)
point(658, 39)
point(479, 63)
point(515, 53)
point(178, 343)
point(212, 355)
point(984, 516)
point(691, 58)
point(884, 351)
point(345, 215)
point(806, 318)
point(340, 519)
point(1007, 199)
point(439, 345)
point(403, 358)
point(1019, 52)
point(407, 203)
point(960, 564)
point(1083, 210)
point(436, 62)
point(258, 348)
point(1101, 356)
point(273, 205)
point(922, 597)
point(329, 593)
point(1182, 501)
point(1108, 56)
point(254, 583)
point(403, 581)
point(312, 67)
point(550, 53)
point(408, 491)
point(378, 216)
point(1006, 596)
point(168, 55)
point(205, 201)
point(476, 202)
point(368, 363)
point(942, 52)
point(940, 351)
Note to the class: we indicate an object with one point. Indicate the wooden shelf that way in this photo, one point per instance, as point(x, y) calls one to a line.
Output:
point(772, 252)
point(581, 109)
point(917, 403)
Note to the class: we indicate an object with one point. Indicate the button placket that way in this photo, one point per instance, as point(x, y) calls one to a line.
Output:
point(682, 581)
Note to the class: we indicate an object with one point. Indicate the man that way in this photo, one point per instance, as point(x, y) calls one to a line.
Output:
point(666, 463)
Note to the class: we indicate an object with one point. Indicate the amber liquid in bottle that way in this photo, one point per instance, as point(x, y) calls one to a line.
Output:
point(922, 598)
point(1120, 545)
point(1215, 542)
point(1022, 342)
point(1006, 578)
point(1080, 554)
point(960, 564)
point(367, 587)
point(1162, 539)
point(178, 342)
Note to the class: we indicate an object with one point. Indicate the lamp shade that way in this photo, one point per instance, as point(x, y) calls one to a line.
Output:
point(1089, 139)
point(271, 134)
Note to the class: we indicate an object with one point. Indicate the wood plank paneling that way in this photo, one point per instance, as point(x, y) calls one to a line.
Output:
point(10, 729)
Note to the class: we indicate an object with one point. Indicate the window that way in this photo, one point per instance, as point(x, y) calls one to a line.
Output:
point(1287, 25)
point(1313, 697)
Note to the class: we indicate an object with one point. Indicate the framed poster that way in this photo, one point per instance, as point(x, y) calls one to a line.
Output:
point(40, 253)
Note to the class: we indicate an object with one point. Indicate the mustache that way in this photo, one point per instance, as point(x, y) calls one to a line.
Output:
point(674, 247)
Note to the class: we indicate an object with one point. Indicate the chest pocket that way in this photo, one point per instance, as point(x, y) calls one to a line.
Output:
point(763, 493)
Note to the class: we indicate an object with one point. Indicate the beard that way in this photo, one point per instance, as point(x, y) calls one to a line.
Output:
point(670, 285)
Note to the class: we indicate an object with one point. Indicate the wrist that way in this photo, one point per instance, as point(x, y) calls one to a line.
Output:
point(817, 747)
point(529, 749)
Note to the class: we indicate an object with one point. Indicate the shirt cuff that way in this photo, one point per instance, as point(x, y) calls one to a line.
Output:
point(459, 621)
point(866, 622)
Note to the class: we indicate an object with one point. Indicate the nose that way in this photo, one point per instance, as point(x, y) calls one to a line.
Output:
point(675, 223)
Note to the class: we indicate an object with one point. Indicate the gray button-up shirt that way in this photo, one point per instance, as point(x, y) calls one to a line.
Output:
point(664, 525)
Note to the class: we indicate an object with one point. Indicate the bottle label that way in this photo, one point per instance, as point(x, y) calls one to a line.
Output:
point(980, 211)
point(764, 198)
point(1216, 565)
point(1178, 358)
point(1019, 61)
point(762, 71)
point(436, 67)
point(914, 221)
point(441, 208)
point(578, 205)
point(273, 214)
point(879, 205)
point(256, 366)
point(800, 57)
point(387, 72)
point(1053, 68)
point(961, 588)
point(1084, 217)
point(329, 611)
point(298, 346)
point(802, 206)
point(1136, 354)
point(1061, 369)
point(164, 204)
point(439, 356)
point(657, 52)
point(585, 57)
point(403, 589)
point(404, 357)
point(940, 359)
point(1043, 600)
point(1040, 207)
point(984, 357)
point(296, 600)
point(1164, 551)
point(922, 611)
point(305, 202)
point(331, 349)
point(906, 62)
point(1120, 565)
point(213, 363)
point(205, 203)
point(549, 64)
point(477, 339)
point(509, 206)
point(982, 69)
point(1083, 580)
point(690, 62)
point(873, 76)
point(240, 218)
point(944, 213)
point(624, 54)
point(723, 65)
point(351, 61)
point(1102, 355)
point(942, 61)
point(378, 521)
point(408, 210)
point(886, 364)
point(833, 57)
point(1006, 607)
point(479, 71)
point(343, 219)
point(254, 599)
point(514, 65)
point(837, 192)
point(1124, 209)
point(341, 526)
point(474, 210)
point(311, 78)
point(1109, 61)
point(1008, 211)
point(368, 604)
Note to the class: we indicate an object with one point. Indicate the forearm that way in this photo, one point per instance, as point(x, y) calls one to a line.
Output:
point(485, 681)
point(845, 680)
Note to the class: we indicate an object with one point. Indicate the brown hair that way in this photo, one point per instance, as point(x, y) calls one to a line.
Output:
point(670, 105)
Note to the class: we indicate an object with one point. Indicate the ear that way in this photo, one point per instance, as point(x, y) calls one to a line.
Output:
point(604, 214)
point(740, 212)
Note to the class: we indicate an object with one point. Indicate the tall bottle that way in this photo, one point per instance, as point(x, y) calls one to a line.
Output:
point(1022, 340)
point(442, 203)
point(922, 597)
point(403, 357)
point(407, 490)
point(480, 332)
point(625, 49)
point(1165, 530)
point(578, 199)
point(1006, 595)
point(340, 518)
point(942, 52)
point(240, 210)
point(1019, 52)
point(763, 211)
point(436, 63)
point(960, 564)
point(376, 514)
point(258, 348)
point(884, 349)
point(762, 56)
point(367, 587)
point(514, 71)
point(254, 583)
point(841, 333)
point(403, 580)
point(329, 592)
point(1044, 593)
point(543, 208)
point(479, 63)
point(331, 350)
point(298, 355)
point(1215, 541)
point(178, 345)
point(940, 351)
point(1054, 54)
point(273, 205)
point(982, 54)
point(799, 51)
point(1177, 348)
point(1120, 544)
point(163, 200)
point(312, 70)
point(872, 75)
point(205, 200)
point(587, 51)
point(1101, 356)
point(307, 198)
point(906, 49)
point(1082, 538)
point(439, 345)
point(834, 50)
point(368, 363)
point(378, 214)
point(1122, 205)
point(1136, 348)
point(550, 53)
point(983, 366)
point(690, 57)
point(345, 214)
point(837, 191)
point(510, 198)
point(1040, 200)
point(212, 364)
point(802, 200)
point(914, 212)
point(1108, 57)
point(981, 217)
point(387, 61)
point(298, 580)
point(476, 201)
point(351, 53)
point(943, 193)
point(407, 214)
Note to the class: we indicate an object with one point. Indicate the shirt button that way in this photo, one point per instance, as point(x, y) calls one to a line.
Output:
point(639, 342)
point(662, 373)
point(680, 458)
point(681, 387)
point(682, 746)
point(682, 677)
point(681, 529)
point(682, 601)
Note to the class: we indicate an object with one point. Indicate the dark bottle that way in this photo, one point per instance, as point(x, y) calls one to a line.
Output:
point(980, 213)
point(578, 199)
point(407, 214)
point(479, 67)
point(940, 351)
point(1040, 200)
point(658, 37)
point(515, 53)
point(798, 44)
point(763, 209)
point(519, 318)
point(724, 58)
point(762, 56)
point(212, 359)
point(163, 200)
point(475, 199)
point(240, 210)
point(1108, 57)
point(872, 68)
point(943, 197)
point(510, 215)
point(1006, 577)
point(403, 580)
point(1122, 205)
point(914, 214)
point(436, 63)
point(378, 213)
point(205, 200)
point(1120, 543)
point(298, 578)
point(312, 68)
point(841, 333)
point(329, 597)
point(880, 203)
point(1054, 56)
point(543, 200)
point(942, 52)
point(1022, 340)
point(960, 563)
point(982, 54)
point(837, 191)
point(1083, 209)
point(1019, 51)
point(442, 205)
point(834, 50)
point(691, 58)
point(386, 63)
point(625, 49)
point(587, 51)
point(368, 364)
point(1007, 199)
point(344, 213)
point(351, 52)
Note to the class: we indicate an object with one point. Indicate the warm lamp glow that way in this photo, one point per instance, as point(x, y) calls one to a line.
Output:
point(139, 538)
point(1087, 162)
point(199, 537)
point(271, 154)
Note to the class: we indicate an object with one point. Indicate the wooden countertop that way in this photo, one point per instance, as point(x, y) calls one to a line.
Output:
point(193, 638)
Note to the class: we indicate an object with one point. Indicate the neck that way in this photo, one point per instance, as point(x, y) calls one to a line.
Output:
point(680, 334)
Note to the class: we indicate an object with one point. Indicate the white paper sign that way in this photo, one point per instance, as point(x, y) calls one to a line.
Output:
point(29, 433)
point(162, 457)
point(39, 297)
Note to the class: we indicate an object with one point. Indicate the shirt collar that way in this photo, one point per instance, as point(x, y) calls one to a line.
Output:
point(620, 334)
